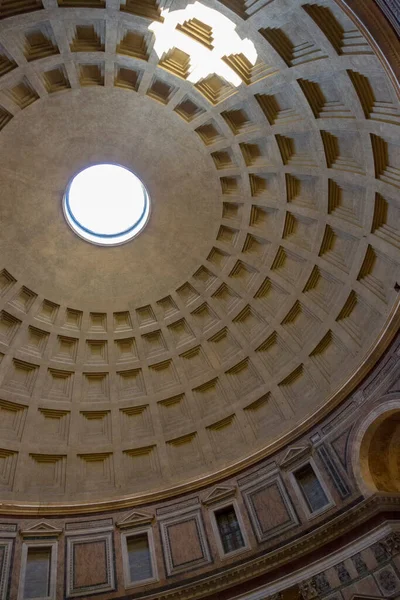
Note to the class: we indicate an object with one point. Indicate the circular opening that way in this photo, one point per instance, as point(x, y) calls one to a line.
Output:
point(106, 204)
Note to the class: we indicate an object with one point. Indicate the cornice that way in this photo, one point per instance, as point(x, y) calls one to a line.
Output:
point(269, 562)
point(375, 25)
point(277, 558)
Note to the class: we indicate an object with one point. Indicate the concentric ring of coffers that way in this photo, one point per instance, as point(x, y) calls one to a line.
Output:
point(300, 125)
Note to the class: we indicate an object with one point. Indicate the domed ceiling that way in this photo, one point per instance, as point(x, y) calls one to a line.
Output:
point(267, 135)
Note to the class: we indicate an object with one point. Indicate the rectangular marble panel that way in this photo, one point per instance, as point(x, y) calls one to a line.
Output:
point(184, 541)
point(190, 550)
point(90, 564)
point(269, 507)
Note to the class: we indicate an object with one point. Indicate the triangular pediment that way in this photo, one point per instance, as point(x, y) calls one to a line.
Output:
point(294, 454)
point(135, 519)
point(41, 529)
point(219, 493)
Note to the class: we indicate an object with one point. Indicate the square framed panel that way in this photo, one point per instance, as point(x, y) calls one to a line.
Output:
point(194, 552)
point(97, 552)
point(269, 507)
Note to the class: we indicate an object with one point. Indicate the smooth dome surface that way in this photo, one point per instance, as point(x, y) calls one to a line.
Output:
point(265, 277)
point(75, 138)
point(106, 204)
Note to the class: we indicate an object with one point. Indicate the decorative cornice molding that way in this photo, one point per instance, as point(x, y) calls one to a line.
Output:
point(270, 561)
point(375, 25)
point(309, 588)
point(391, 9)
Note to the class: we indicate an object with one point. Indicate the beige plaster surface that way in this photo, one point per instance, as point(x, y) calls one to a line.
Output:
point(49, 142)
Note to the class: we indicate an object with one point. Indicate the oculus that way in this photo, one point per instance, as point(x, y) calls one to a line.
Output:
point(106, 204)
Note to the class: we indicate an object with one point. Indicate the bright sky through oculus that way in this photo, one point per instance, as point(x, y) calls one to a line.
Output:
point(106, 204)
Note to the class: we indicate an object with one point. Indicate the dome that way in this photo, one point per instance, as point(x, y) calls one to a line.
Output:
point(266, 273)
point(253, 283)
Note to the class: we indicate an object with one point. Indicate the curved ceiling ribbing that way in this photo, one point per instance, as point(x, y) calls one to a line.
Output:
point(265, 274)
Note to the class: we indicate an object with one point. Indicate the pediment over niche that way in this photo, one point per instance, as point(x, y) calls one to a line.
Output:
point(294, 454)
point(135, 519)
point(219, 493)
point(41, 529)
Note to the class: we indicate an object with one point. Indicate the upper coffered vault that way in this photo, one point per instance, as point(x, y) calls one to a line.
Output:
point(267, 134)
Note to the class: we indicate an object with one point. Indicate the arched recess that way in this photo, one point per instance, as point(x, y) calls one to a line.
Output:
point(376, 455)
